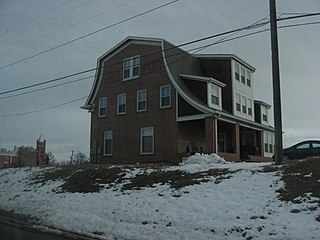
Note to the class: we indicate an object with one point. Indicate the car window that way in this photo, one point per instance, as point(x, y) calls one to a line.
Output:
point(303, 146)
point(316, 145)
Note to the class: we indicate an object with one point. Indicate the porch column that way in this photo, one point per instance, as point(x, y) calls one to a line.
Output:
point(238, 140)
point(210, 134)
point(262, 144)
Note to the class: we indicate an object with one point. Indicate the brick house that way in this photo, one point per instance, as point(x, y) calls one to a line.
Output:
point(154, 102)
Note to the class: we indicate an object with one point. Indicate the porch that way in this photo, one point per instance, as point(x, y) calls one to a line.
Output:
point(232, 141)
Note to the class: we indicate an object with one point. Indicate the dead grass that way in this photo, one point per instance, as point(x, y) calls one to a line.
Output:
point(93, 178)
point(301, 179)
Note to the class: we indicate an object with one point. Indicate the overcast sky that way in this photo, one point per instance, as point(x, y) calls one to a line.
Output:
point(33, 26)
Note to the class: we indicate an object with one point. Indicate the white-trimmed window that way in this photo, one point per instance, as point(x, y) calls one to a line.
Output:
point(244, 104)
point(147, 140)
point(121, 103)
point(249, 107)
point(215, 94)
point(107, 143)
point(141, 100)
point(131, 67)
point(237, 71)
point(243, 75)
point(266, 142)
point(165, 96)
point(264, 114)
point(248, 77)
point(238, 102)
point(102, 107)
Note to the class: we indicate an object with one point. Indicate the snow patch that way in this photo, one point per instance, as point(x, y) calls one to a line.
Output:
point(203, 159)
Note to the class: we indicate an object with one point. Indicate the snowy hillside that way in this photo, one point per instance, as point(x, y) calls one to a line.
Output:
point(203, 198)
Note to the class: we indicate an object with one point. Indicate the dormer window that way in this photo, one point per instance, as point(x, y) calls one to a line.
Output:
point(265, 114)
point(215, 94)
point(131, 68)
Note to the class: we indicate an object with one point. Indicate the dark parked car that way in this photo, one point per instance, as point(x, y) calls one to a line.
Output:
point(302, 150)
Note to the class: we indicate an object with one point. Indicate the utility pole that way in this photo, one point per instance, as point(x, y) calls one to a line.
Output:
point(71, 157)
point(276, 84)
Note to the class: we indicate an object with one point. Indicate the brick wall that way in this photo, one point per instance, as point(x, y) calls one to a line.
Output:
point(126, 128)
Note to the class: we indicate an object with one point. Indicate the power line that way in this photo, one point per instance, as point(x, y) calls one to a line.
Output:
point(120, 62)
point(133, 17)
point(89, 34)
point(49, 81)
point(226, 40)
point(32, 27)
point(299, 16)
point(184, 44)
point(45, 88)
point(67, 27)
point(42, 14)
point(43, 109)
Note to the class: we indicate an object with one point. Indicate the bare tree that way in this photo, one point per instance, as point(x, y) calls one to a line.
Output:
point(79, 158)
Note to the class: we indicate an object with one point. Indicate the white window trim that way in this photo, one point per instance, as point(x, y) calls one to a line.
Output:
point(106, 100)
point(145, 109)
point(264, 111)
point(118, 103)
point(161, 87)
point(130, 68)
point(210, 87)
point(238, 94)
point(248, 77)
point(244, 104)
point(104, 143)
point(249, 106)
point(141, 137)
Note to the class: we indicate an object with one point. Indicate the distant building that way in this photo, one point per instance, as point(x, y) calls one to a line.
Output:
point(7, 157)
point(154, 102)
point(29, 156)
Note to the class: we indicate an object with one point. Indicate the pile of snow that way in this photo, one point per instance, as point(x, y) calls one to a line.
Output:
point(203, 159)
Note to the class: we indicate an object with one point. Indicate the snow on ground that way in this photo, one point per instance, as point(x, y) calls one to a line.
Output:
point(244, 206)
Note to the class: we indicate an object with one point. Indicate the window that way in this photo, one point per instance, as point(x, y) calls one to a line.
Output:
point(215, 94)
point(271, 144)
point(121, 103)
point(108, 143)
point(102, 107)
point(268, 143)
point(244, 104)
point(316, 145)
point(266, 140)
point(304, 146)
point(165, 96)
point(237, 71)
point(131, 68)
point(243, 73)
point(147, 140)
point(141, 100)
point(249, 107)
point(248, 76)
point(265, 114)
point(238, 102)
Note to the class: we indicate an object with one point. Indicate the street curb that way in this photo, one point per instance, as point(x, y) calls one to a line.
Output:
point(29, 223)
